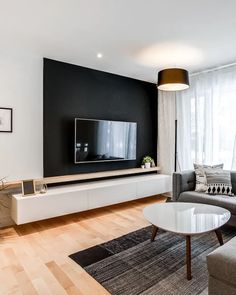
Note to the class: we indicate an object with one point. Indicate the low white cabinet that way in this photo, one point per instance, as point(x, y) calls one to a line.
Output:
point(152, 185)
point(73, 198)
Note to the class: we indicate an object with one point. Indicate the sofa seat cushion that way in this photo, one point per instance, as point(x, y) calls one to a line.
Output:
point(221, 262)
point(223, 201)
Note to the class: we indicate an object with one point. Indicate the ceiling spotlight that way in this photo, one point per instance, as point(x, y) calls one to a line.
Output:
point(99, 55)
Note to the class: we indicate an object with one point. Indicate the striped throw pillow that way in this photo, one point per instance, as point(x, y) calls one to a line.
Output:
point(201, 181)
point(218, 182)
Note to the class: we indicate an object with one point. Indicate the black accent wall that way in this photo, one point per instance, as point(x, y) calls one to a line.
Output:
point(72, 91)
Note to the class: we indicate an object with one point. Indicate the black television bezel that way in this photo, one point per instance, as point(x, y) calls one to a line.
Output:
point(102, 161)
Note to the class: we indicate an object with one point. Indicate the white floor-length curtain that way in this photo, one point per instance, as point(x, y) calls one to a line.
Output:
point(166, 131)
point(206, 115)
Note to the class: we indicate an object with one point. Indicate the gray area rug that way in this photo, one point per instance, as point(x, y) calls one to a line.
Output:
point(132, 265)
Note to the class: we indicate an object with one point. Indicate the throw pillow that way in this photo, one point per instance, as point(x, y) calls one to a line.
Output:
point(201, 181)
point(218, 182)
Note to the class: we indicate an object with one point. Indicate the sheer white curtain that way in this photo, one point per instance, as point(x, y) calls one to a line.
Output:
point(206, 115)
point(166, 131)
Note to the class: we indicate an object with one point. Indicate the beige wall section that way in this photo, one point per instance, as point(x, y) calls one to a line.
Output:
point(21, 88)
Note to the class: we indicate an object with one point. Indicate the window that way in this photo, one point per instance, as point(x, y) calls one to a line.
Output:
point(207, 120)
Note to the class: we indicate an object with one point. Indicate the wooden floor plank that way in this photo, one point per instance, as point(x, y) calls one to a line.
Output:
point(62, 278)
point(34, 257)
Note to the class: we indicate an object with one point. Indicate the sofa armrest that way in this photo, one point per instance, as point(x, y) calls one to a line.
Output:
point(183, 181)
point(221, 264)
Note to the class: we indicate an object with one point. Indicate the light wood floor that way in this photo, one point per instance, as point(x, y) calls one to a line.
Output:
point(34, 257)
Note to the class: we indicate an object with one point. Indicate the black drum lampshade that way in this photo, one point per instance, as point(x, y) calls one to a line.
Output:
point(174, 79)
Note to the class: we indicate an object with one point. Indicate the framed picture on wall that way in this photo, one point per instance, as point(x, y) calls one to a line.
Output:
point(5, 119)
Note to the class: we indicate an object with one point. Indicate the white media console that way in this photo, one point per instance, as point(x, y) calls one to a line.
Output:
point(72, 198)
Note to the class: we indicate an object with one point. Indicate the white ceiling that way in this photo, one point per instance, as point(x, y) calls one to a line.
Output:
point(136, 37)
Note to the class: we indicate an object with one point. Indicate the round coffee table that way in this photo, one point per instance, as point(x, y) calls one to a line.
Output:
point(186, 219)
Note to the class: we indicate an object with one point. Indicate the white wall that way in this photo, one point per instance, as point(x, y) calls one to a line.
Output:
point(21, 88)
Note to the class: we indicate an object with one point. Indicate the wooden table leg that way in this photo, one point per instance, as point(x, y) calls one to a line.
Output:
point(154, 232)
point(188, 257)
point(219, 236)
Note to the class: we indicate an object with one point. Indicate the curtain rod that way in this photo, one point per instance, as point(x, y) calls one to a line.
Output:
point(213, 69)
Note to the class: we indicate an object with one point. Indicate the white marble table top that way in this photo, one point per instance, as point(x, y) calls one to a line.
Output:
point(186, 218)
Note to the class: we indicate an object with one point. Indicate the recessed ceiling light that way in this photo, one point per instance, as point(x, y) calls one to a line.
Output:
point(99, 55)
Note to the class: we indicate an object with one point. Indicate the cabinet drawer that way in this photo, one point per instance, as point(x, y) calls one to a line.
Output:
point(153, 187)
point(111, 195)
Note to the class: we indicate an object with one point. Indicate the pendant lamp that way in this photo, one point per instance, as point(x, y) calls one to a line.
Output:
point(173, 79)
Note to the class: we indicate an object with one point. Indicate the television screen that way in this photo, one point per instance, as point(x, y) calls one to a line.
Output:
point(102, 140)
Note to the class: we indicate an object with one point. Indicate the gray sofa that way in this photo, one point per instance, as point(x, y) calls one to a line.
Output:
point(221, 262)
point(221, 265)
point(183, 191)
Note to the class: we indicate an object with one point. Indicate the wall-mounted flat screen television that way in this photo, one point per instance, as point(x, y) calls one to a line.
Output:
point(103, 140)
